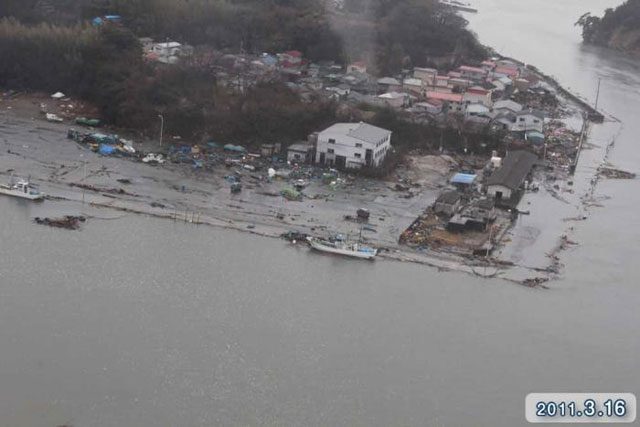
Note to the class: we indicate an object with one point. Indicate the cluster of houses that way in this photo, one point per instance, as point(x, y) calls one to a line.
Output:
point(470, 205)
point(477, 94)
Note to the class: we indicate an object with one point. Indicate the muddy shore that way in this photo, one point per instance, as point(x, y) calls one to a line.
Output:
point(72, 175)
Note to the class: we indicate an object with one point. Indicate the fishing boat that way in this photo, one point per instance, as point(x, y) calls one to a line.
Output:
point(338, 247)
point(21, 189)
point(465, 7)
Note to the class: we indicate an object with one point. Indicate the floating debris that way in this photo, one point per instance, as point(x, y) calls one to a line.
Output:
point(537, 282)
point(295, 237)
point(90, 187)
point(68, 222)
point(616, 173)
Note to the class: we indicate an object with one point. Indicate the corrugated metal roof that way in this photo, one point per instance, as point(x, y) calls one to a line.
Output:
point(369, 133)
point(463, 178)
point(362, 131)
point(388, 81)
point(515, 168)
point(413, 82)
point(507, 104)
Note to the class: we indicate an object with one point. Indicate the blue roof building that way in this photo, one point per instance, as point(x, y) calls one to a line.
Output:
point(463, 179)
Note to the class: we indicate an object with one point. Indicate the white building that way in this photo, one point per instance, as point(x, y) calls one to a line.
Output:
point(478, 96)
point(506, 181)
point(300, 152)
point(389, 84)
point(170, 52)
point(427, 75)
point(413, 86)
point(478, 113)
point(357, 67)
point(529, 120)
point(508, 105)
point(431, 106)
point(394, 99)
point(473, 73)
point(353, 145)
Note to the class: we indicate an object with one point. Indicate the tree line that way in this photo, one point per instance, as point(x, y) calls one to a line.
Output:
point(614, 23)
point(61, 51)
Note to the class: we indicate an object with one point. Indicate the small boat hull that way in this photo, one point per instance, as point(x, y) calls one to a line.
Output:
point(21, 191)
point(351, 250)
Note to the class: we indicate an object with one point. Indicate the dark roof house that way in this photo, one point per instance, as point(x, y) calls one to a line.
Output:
point(515, 168)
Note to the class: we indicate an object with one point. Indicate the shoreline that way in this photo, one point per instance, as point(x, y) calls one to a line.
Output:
point(260, 214)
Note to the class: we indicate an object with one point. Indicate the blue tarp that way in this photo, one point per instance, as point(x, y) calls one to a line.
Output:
point(269, 60)
point(463, 178)
point(212, 144)
point(107, 150)
point(236, 148)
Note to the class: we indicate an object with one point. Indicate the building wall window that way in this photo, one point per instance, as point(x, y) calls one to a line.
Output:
point(332, 141)
point(330, 151)
point(358, 145)
point(358, 155)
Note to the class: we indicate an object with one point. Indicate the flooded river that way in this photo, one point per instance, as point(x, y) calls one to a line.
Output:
point(143, 322)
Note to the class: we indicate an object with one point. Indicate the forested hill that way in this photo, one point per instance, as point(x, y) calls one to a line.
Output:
point(51, 45)
point(619, 28)
point(397, 31)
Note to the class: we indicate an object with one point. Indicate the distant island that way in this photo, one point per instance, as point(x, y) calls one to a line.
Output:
point(618, 29)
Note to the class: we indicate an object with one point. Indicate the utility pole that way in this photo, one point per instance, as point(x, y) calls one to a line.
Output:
point(161, 128)
point(84, 180)
point(598, 94)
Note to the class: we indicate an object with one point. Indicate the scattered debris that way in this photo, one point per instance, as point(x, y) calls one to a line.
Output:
point(152, 158)
point(295, 237)
point(83, 121)
point(67, 222)
point(53, 118)
point(616, 173)
point(291, 195)
point(102, 190)
point(534, 283)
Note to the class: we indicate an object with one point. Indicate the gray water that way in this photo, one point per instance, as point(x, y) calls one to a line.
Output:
point(144, 322)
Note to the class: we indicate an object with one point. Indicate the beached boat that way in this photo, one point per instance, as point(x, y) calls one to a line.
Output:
point(465, 7)
point(355, 250)
point(21, 189)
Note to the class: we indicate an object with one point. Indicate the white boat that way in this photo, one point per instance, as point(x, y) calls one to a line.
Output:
point(21, 189)
point(465, 7)
point(355, 250)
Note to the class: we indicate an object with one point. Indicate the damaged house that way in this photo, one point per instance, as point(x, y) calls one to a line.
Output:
point(505, 183)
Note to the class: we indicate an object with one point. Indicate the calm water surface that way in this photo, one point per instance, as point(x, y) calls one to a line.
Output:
point(142, 322)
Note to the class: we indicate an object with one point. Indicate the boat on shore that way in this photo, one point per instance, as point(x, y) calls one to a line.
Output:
point(21, 189)
point(338, 247)
point(465, 7)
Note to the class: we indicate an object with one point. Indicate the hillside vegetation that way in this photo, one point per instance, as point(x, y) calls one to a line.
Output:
point(619, 28)
point(51, 46)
